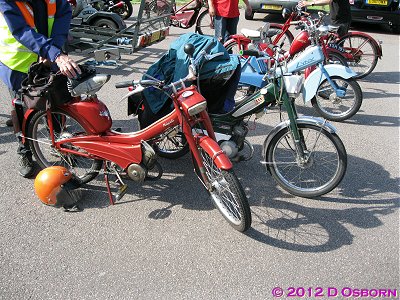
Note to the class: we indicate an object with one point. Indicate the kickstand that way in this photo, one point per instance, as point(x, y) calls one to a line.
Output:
point(112, 202)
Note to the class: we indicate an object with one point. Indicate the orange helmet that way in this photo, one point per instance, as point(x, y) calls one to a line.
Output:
point(55, 186)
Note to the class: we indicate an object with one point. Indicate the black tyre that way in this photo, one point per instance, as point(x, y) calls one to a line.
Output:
point(172, 146)
point(285, 41)
point(319, 174)
point(105, 23)
point(332, 107)
point(65, 126)
point(361, 53)
point(227, 194)
point(125, 11)
point(205, 24)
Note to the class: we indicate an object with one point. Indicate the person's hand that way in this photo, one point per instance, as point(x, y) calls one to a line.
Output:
point(211, 11)
point(45, 61)
point(248, 10)
point(67, 66)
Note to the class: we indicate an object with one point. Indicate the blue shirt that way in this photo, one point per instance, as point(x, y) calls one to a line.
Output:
point(38, 42)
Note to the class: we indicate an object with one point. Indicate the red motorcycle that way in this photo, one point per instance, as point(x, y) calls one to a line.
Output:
point(359, 49)
point(78, 135)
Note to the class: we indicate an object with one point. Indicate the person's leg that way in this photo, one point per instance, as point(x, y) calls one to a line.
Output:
point(26, 166)
point(231, 27)
point(220, 28)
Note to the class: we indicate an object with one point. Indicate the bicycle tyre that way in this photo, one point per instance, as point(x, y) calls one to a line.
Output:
point(334, 108)
point(310, 181)
point(86, 169)
point(204, 24)
point(227, 195)
point(361, 53)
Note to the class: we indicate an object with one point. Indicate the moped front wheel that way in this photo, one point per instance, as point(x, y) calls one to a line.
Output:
point(329, 105)
point(226, 193)
point(321, 167)
point(65, 126)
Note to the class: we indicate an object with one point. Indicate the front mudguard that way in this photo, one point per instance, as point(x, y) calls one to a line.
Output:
point(302, 120)
point(313, 81)
point(212, 148)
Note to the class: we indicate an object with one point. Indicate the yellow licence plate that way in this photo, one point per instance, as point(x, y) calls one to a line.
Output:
point(377, 2)
point(274, 7)
point(155, 36)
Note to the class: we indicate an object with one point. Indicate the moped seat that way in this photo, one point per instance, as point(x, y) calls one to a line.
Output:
point(251, 34)
point(256, 34)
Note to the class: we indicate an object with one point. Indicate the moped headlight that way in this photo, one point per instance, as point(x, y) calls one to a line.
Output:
point(197, 108)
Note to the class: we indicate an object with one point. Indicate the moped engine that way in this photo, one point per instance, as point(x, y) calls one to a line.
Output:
point(236, 142)
point(136, 172)
point(139, 172)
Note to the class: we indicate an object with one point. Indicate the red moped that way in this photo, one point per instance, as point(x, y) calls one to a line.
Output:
point(78, 135)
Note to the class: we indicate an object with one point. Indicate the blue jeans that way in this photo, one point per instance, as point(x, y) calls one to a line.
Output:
point(224, 27)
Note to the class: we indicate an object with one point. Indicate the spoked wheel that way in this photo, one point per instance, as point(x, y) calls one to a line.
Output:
point(361, 53)
point(205, 24)
point(323, 167)
point(65, 126)
point(333, 107)
point(227, 194)
point(232, 47)
point(172, 145)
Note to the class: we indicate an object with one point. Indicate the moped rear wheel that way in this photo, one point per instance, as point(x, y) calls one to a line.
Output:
point(65, 126)
point(361, 53)
point(320, 173)
point(205, 24)
point(226, 193)
point(332, 107)
point(171, 146)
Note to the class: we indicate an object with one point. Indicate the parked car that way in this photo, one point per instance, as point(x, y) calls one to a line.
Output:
point(366, 11)
point(376, 12)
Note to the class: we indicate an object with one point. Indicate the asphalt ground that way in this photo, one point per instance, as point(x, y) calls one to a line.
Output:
point(165, 240)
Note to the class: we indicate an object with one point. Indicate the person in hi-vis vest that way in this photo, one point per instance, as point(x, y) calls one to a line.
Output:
point(31, 31)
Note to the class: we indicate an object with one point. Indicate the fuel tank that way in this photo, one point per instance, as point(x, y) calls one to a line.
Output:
point(92, 114)
point(299, 43)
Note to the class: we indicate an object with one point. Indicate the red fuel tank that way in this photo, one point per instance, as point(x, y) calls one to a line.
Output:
point(91, 113)
point(299, 43)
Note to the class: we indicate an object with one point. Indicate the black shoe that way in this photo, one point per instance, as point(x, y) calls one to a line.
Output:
point(26, 166)
point(9, 123)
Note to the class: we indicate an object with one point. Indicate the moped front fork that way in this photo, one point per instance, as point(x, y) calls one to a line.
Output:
point(340, 92)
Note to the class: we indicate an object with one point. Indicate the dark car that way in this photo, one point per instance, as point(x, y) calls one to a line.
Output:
point(366, 11)
point(376, 12)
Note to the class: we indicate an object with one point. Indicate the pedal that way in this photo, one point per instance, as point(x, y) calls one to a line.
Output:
point(121, 192)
